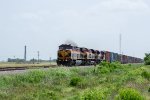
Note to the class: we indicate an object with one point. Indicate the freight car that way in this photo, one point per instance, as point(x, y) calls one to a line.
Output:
point(69, 55)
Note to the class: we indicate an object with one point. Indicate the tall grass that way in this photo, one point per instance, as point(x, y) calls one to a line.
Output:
point(102, 82)
point(129, 94)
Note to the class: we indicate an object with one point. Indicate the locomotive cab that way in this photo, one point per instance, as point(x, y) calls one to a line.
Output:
point(68, 55)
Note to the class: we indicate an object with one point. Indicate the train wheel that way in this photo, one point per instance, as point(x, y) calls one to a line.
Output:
point(70, 63)
point(58, 63)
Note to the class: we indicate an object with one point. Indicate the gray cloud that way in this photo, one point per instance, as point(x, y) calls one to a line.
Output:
point(123, 5)
point(43, 25)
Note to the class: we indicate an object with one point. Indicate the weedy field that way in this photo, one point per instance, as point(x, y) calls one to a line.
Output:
point(30, 65)
point(103, 82)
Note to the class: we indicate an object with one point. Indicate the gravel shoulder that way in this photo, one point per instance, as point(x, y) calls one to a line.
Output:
point(27, 70)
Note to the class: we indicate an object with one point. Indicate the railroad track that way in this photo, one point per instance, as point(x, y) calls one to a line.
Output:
point(24, 67)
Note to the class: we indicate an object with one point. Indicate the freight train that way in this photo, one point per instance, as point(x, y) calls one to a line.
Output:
point(69, 55)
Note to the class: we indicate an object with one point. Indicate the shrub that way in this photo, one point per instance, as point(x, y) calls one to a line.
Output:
point(104, 63)
point(75, 81)
point(5, 81)
point(115, 65)
point(104, 70)
point(147, 59)
point(48, 95)
point(83, 84)
point(149, 90)
point(94, 95)
point(129, 94)
point(3, 95)
point(106, 67)
point(146, 75)
point(129, 65)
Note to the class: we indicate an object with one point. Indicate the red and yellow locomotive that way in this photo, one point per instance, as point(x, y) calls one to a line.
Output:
point(69, 55)
point(72, 55)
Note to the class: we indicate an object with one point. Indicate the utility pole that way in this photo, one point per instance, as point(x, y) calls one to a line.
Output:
point(50, 60)
point(25, 53)
point(33, 60)
point(14, 57)
point(38, 56)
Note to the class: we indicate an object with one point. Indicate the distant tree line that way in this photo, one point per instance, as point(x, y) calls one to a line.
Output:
point(18, 60)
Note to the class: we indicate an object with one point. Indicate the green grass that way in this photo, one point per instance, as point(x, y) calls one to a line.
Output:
point(103, 82)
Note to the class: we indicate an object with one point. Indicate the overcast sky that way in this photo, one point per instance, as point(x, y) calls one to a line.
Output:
point(43, 25)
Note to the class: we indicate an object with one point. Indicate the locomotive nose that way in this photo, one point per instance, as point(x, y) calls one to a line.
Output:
point(63, 53)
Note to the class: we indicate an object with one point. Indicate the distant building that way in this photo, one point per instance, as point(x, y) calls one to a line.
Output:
point(15, 60)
